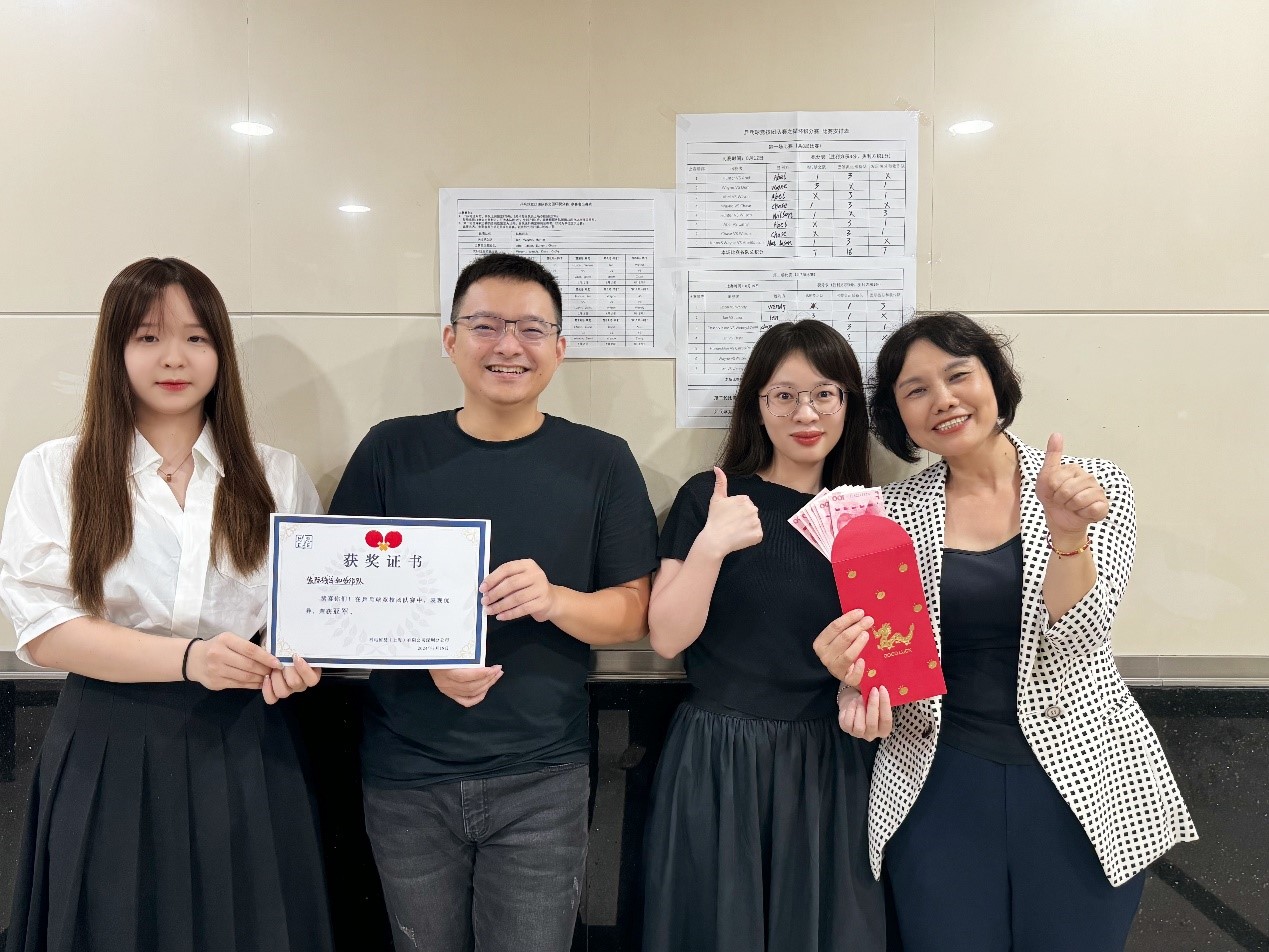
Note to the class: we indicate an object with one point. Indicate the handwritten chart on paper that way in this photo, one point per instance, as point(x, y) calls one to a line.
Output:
point(602, 246)
point(785, 216)
point(723, 311)
point(809, 184)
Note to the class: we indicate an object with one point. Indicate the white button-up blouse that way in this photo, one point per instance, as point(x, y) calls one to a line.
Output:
point(167, 584)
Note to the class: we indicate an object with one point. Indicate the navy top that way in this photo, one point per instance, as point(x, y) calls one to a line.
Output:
point(568, 496)
point(980, 611)
point(754, 655)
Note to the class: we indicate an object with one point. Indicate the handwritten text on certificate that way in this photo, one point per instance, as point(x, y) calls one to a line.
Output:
point(602, 246)
point(369, 592)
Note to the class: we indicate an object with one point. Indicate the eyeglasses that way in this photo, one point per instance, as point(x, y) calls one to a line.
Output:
point(783, 401)
point(530, 330)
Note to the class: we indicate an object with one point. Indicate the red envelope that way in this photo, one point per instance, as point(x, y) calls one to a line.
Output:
point(875, 566)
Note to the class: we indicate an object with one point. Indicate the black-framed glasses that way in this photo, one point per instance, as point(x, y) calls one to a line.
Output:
point(824, 400)
point(487, 328)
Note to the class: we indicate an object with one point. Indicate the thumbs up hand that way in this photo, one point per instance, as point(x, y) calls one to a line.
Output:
point(1072, 499)
point(732, 523)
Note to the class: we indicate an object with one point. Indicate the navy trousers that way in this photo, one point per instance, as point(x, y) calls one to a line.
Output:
point(991, 859)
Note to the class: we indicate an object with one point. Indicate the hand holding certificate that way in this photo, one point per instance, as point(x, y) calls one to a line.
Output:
point(370, 592)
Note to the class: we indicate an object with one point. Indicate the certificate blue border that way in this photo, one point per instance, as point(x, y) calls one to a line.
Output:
point(481, 525)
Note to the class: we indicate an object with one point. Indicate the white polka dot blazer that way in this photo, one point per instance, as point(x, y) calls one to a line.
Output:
point(1085, 727)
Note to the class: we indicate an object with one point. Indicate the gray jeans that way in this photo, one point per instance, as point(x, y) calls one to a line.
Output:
point(492, 865)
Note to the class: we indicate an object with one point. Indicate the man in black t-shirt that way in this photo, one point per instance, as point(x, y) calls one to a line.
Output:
point(475, 780)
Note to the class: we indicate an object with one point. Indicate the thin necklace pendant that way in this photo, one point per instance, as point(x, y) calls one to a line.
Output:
point(176, 468)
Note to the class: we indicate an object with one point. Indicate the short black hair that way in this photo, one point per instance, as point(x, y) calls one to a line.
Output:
point(508, 268)
point(747, 449)
point(959, 336)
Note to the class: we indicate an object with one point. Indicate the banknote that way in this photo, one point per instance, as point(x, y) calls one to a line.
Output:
point(830, 510)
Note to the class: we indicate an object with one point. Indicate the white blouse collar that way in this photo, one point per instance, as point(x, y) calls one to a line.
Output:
point(145, 456)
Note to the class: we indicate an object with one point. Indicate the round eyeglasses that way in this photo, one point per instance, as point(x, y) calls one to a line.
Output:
point(825, 400)
point(486, 328)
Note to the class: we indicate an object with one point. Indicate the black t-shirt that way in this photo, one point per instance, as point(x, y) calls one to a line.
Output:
point(980, 619)
point(754, 654)
point(567, 496)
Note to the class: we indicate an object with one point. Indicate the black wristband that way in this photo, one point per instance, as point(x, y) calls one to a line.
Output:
point(185, 659)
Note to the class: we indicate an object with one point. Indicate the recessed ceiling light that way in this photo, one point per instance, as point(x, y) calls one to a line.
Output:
point(969, 127)
point(354, 209)
point(252, 128)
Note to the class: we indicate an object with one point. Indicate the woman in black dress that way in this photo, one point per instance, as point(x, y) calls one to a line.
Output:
point(168, 810)
point(758, 834)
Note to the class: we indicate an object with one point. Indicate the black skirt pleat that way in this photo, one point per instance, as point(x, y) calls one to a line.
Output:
point(168, 817)
point(757, 839)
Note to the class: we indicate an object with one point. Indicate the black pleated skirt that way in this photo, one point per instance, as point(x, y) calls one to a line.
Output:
point(171, 818)
point(758, 839)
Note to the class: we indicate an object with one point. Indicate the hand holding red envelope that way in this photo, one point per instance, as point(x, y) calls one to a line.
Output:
point(875, 566)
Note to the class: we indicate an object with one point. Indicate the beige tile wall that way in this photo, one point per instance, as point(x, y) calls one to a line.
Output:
point(1116, 220)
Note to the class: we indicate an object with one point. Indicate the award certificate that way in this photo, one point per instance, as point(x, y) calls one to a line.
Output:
point(371, 592)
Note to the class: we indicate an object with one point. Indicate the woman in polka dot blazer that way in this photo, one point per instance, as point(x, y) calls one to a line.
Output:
point(1020, 810)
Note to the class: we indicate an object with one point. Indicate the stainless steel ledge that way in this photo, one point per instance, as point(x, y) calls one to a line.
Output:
point(636, 663)
point(640, 663)
point(1173, 671)
point(14, 669)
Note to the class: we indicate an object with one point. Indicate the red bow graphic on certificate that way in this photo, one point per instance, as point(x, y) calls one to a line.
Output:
point(377, 540)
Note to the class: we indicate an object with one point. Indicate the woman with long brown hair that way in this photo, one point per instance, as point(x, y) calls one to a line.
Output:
point(168, 808)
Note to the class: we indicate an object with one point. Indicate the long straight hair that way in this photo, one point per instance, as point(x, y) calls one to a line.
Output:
point(101, 494)
point(747, 449)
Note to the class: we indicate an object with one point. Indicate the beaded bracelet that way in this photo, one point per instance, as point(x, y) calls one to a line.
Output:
point(1067, 555)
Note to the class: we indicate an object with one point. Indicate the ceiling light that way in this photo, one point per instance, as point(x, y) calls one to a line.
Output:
point(252, 128)
point(969, 127)
point(354, 209)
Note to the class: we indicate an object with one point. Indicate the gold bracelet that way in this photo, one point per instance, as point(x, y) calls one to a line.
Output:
point(1067, 555)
